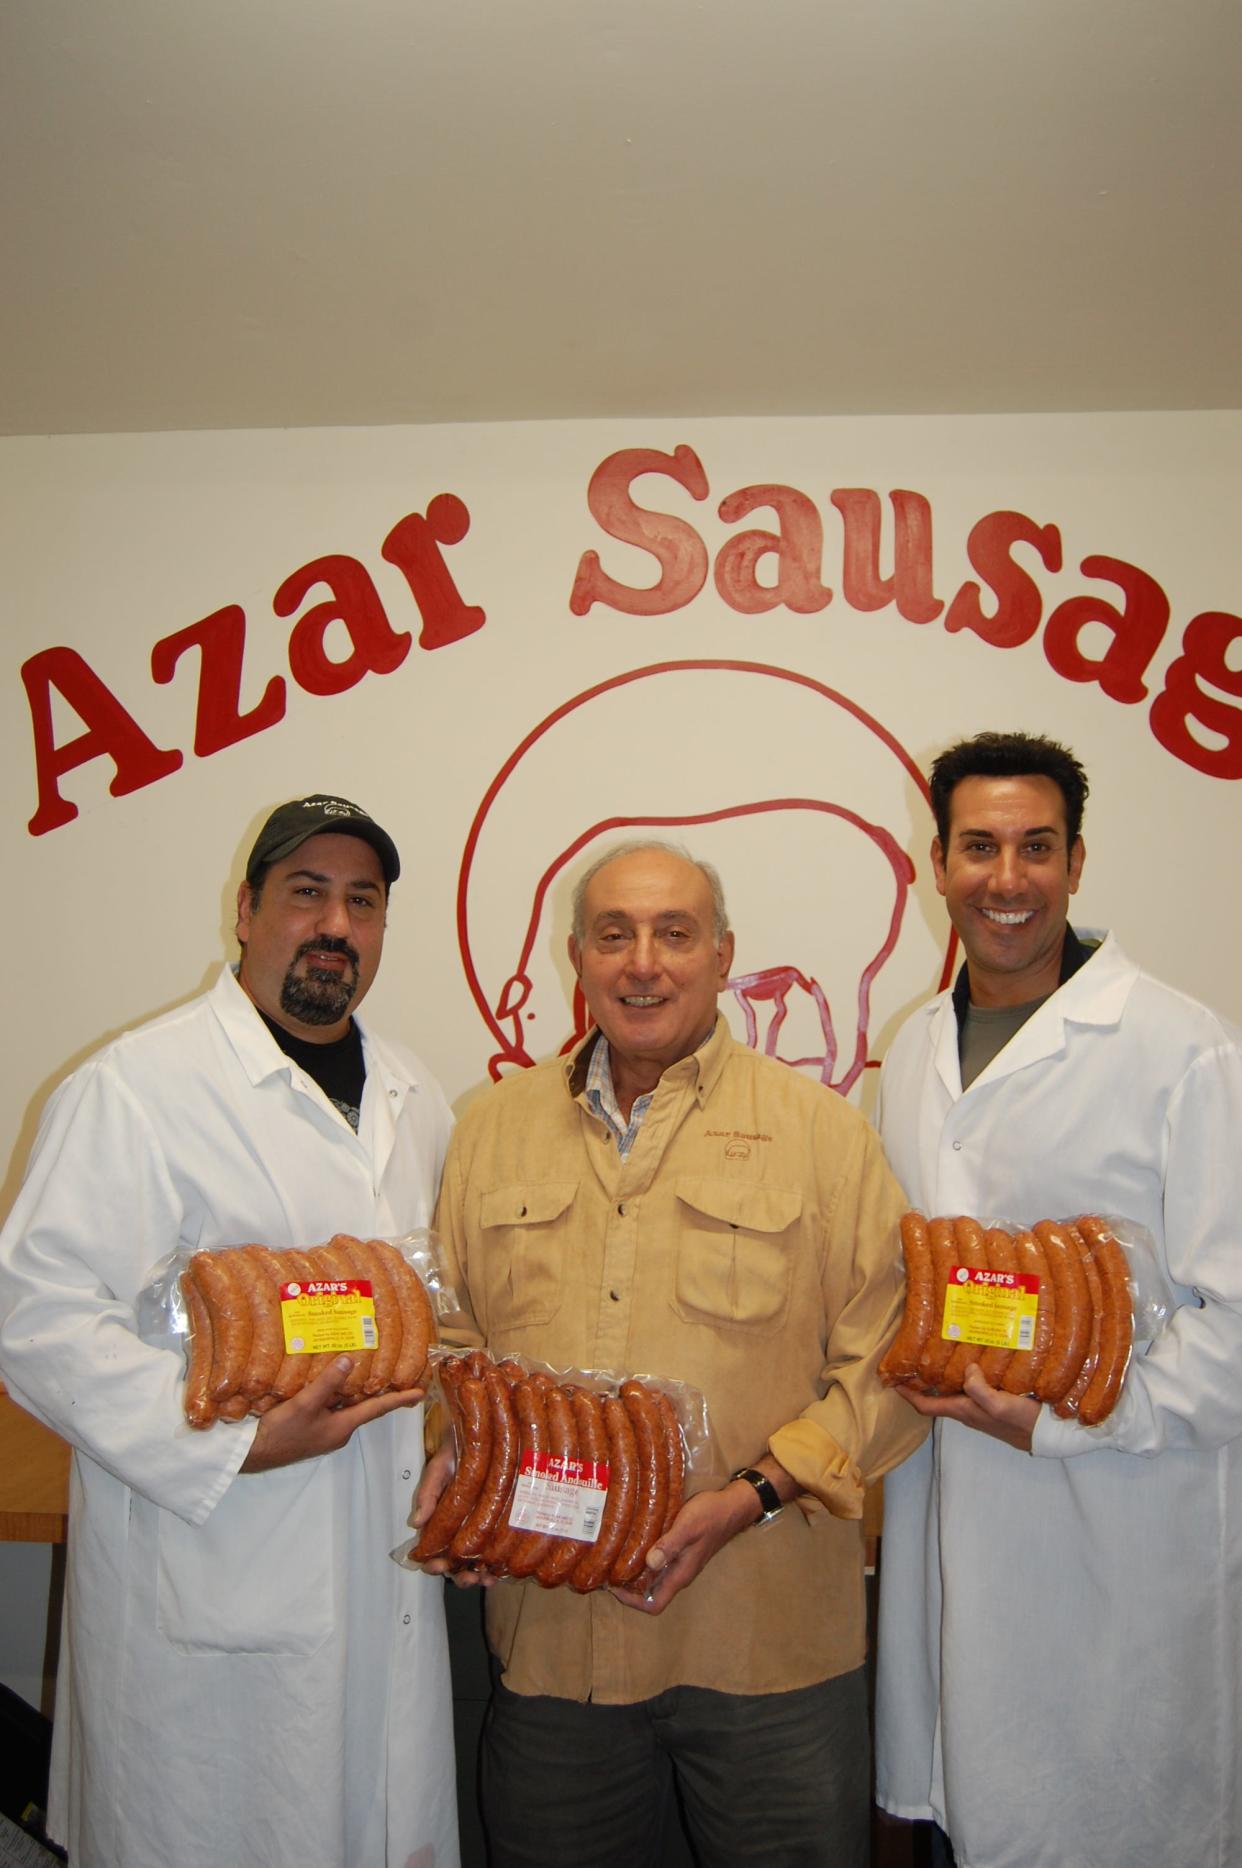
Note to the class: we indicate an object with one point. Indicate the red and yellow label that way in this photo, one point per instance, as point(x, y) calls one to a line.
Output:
point(327, 1315)
point(993, 1308)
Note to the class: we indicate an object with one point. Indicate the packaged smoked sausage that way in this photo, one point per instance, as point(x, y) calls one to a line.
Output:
point(567, 1476)
point(1051, 1310)
point(258, 1323)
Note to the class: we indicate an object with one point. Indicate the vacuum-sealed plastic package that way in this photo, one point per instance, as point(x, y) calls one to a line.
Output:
point(257, 1323)
point(570, 1476)
point(1052, 1310)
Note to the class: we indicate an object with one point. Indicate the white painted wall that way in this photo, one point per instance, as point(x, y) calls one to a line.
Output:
point(114, 542)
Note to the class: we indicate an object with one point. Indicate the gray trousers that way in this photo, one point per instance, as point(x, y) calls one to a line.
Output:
point(769, 1780)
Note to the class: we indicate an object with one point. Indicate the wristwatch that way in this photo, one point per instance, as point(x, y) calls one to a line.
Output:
point(769, 1497)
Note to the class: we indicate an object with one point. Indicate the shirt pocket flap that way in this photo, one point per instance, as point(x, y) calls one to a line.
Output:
point(525, 1205)
point(755, 1209)
point(735, 1250)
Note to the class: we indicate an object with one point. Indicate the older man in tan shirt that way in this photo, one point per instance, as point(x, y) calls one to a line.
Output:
point(669, 1203)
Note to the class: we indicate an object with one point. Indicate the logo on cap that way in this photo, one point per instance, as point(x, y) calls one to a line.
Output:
point(332, 807)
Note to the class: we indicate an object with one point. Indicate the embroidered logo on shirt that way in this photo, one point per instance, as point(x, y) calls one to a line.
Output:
point(737, 1142)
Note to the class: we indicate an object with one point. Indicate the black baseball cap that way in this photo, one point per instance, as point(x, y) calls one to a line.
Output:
point(291, 824)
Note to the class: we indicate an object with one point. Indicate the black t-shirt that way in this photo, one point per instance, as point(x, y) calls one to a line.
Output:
point(337, 1066)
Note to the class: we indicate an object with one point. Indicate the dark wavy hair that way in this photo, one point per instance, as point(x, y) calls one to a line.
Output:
point(1009, 755)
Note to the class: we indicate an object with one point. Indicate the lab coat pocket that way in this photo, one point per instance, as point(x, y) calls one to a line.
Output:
point(524, 1229)
point(257, 1577)
point(735, 1252)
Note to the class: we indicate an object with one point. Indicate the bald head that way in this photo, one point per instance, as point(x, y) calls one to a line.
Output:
point(633, 847)
point(649, 959)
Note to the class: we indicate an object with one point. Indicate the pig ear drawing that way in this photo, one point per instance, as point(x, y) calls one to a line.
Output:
point(772, 985)
point(514, 994)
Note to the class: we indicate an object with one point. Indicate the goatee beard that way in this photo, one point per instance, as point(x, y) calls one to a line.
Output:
point(319, 997)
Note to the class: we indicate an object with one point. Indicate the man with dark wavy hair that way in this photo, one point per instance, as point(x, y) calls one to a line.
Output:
point(1060, 1662)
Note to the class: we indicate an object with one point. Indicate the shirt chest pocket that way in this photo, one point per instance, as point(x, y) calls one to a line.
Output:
point(735, 1253)
point(523, 1233)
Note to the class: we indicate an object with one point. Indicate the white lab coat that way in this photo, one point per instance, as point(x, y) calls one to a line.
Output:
point(247, 1678)
point(1060, 1644)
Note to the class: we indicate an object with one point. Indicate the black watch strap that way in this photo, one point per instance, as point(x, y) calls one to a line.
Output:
point(769, 1497)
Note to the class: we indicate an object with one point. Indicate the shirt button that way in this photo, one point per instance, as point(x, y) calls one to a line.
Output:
point(615, 1296)
point(406, 1620)
point(957, 1148)
point(406, 1473)
point(392, 1093)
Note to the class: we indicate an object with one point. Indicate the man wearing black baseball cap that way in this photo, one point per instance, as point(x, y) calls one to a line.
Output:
point(310, 918)
point(234, 1627)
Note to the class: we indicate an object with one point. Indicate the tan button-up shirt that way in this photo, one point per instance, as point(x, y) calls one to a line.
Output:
point(748, 1245)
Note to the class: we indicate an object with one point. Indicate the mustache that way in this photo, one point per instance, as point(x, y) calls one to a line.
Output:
point(328, 943)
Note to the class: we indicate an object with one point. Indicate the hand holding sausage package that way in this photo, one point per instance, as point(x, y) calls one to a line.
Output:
point(1051, 1311)
point(257, 1324)
point(570, 1477)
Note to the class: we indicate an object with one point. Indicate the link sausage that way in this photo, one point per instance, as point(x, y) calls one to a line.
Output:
point(937, 1349)
point(1071, 1324)
point(594, 1565)
point(651, 1497)
point(1116, 1323)
point(901, 1361)
point(1001, 1257)
point(971, 1251)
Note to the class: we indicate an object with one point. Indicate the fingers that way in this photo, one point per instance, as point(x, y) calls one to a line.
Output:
point(932, 1406)
point(703, 1525)
point(646, 1605)
point(313, 1422)
point(329, 1381)
point(1012, 1417)
point(436, 1475)
point(669, 1577)
point(360, 1412)
point(961, 1406)
point(988, 1410)
point(468, 1579)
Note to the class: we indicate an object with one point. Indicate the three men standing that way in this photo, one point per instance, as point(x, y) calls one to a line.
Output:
point(1060, 1666)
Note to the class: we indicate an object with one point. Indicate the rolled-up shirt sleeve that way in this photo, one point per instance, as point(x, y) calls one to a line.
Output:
point(860, 1429)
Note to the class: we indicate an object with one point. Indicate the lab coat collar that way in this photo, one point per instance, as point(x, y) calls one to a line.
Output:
point(1074, 954)
point(1095, 994)
point(388, 1082)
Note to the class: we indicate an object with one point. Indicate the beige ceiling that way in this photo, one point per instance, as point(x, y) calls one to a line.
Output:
point(267, 213)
